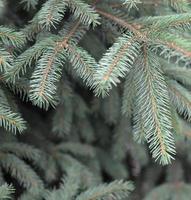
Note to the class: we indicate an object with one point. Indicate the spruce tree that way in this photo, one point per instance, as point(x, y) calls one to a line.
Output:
point(95, 99)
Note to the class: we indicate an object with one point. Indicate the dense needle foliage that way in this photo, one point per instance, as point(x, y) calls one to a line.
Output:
point(95, 99)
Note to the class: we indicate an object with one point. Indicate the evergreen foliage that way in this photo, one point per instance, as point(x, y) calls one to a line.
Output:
point(6, 191)
point(94, 88)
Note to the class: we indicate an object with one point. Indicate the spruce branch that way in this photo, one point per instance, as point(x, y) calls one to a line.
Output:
point(6, 60)
point(48, 71)
point(69, 187)
point(180, 98)
point(172, 46)
point(131, 3)
point(53, 53)
point(153, 100)
point(73, 31)
point(171, 191)
point(116, 190)
point(42, 84)
point(20, 170)
point(10, 37)
point(51, 13)
point(158, 24)
point(6, 191)
point(120, 22)
point(83, 63)
point(44, 78)
point(139, 130)
point(21, 150)
point(29, 4)
point(179, 5)
point(87, 179)
point(33, 53)
point(25, 59)
point(84, 12)
point(116, 62)
point(9, 119)
point(137, 2)
point(34, 193)
point(113, 167)
point(20, 88)
point(181, 74)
